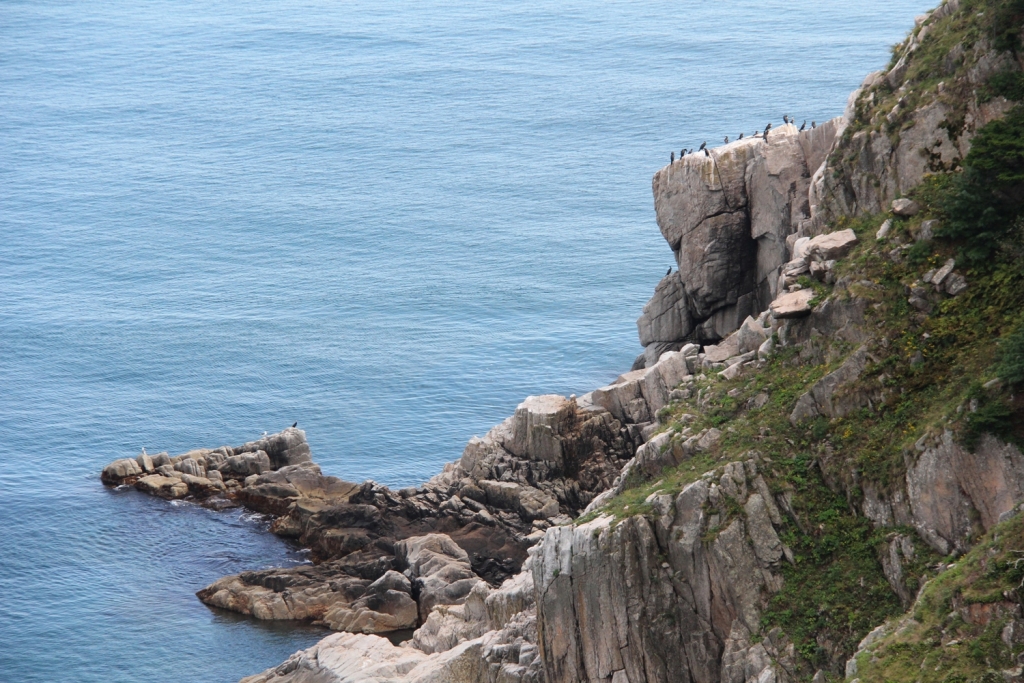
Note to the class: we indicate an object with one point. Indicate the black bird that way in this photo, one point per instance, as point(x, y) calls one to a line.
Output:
point(727, 139)
point(707, 153)
point(669, 271)
point(741, 136)
point(682, 153)
point(703, 145)
point(671, 158)
point(294, 425)
point(691, 151)
point(803, 125)
point(766, 129)
point(813, 124)
point(785, 118)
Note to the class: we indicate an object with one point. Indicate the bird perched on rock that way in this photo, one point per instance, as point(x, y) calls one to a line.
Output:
point(682, 153)
point(785, 118)
point(671, 158)
point(803, 125)
point(707, 153)
point(294, 425)
point(669, 271)
point(703, 145)
point(727, 139)
point(813, 124)
point(741, 136)
point(766, 129)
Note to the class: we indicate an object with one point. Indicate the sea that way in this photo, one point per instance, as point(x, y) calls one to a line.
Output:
point(387, 221)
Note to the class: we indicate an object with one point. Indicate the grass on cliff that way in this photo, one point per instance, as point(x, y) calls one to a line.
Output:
point(926, 372)
point(938, 70)
point(953, 633)
point(930, 370)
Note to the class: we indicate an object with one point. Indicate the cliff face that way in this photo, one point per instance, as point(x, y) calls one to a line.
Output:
point(727, 216)
point(807, 435)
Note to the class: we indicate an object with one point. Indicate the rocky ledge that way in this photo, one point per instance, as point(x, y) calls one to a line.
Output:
point(383, 560)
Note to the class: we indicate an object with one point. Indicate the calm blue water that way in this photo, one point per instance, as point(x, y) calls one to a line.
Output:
point(388, 221)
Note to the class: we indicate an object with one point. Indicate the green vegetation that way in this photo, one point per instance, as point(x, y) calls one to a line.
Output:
point(954, 632)
point(1011, 358)
point(928, 373)
point(936, 363)
point(985, 203)
point(835, 591)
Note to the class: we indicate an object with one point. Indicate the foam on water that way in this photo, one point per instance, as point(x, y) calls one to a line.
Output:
point(388, 221)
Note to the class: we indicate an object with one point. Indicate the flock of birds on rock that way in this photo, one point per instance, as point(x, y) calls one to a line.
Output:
point(704, 145)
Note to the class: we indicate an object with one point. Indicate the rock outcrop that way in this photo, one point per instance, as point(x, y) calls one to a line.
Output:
point(727, 218)
point(394, 560)
point(652, 598)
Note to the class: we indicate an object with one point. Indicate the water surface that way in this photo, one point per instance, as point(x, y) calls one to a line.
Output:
point(388, 221)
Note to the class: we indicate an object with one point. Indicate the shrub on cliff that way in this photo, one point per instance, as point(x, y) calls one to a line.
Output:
point(985, 205)
point(1011, 358)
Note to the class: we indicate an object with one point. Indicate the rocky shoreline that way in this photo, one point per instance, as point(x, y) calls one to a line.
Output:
point(540, 468)
point(512, 567)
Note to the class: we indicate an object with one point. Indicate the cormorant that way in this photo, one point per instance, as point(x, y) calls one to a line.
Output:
point(766, 129)
point(813, 124)
point(703, 145)
point(741, 136)
point(682, 153)
point(785, 118)
point(671, 158)
point(727, 139)
point(294, 425)
point(669, 271)
point(707, 153)
point(803, 125)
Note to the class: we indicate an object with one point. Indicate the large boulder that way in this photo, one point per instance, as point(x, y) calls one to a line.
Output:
point(439, 569)
point(386, 606)
point(164, 487)
point(119, 470)
point(666, 317)
point(728, 217)
point(537, 426)
point(793, 304)
point(833, 245)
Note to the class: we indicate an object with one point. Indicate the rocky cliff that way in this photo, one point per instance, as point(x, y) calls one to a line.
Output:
point(827, 412)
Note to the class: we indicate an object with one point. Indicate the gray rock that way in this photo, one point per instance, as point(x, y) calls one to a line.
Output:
point(145, 462)
point(727, 217)
point(834, 245)
point(241, 466)
point(948, 485)
point(119, 470)
point(939, 278)
point(439, 570)
point(728, 348)
point(666, 317)
point(905, 207)
point(792, 305)
point(927, 230)
point(822, 399)
point(955, 284)
point(883, 231)
point(164, 487)
point(538, 423)
point(751, 335)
